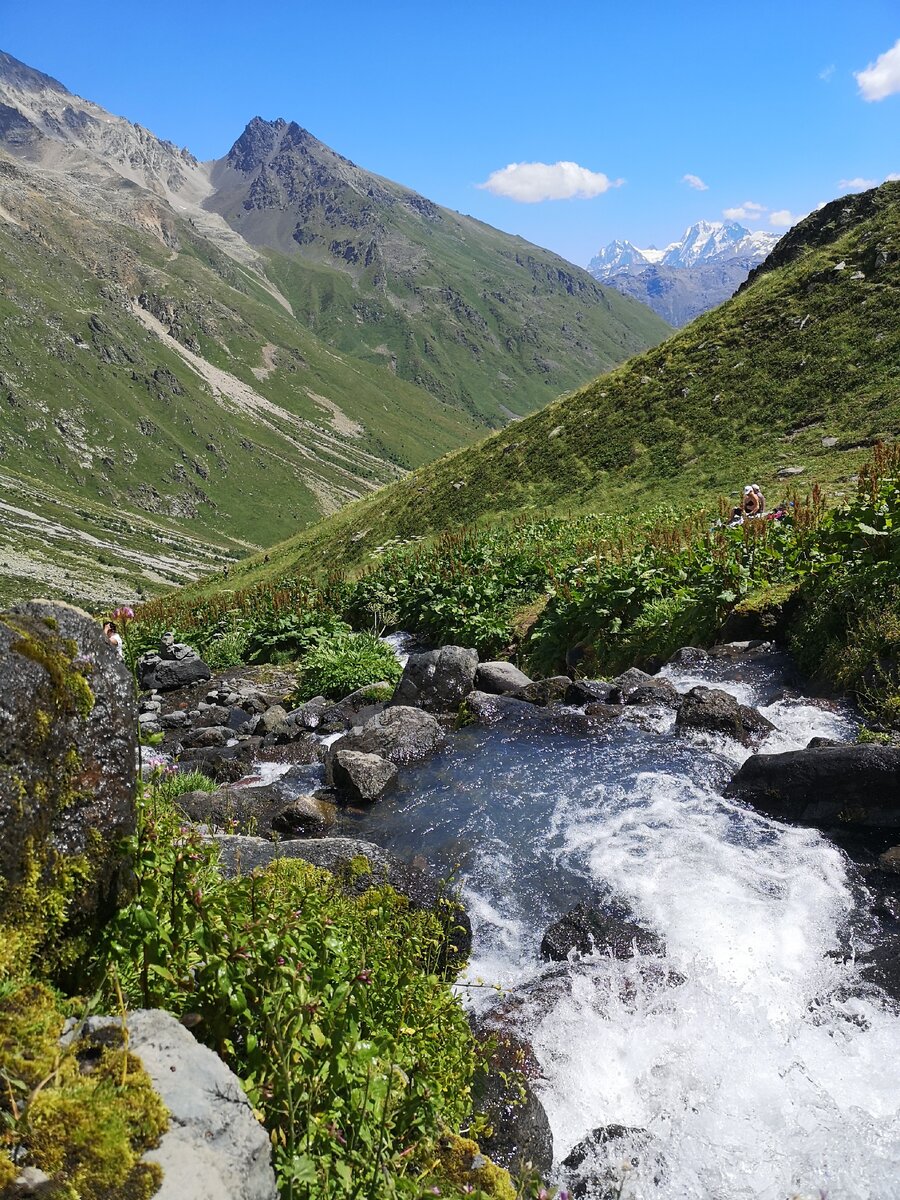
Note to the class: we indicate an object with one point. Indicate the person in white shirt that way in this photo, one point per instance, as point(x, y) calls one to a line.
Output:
point(111, 631)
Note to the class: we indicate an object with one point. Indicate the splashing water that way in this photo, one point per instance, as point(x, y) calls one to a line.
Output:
point(752, 1054)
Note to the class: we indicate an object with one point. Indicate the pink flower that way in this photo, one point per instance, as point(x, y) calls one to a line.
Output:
point(124, 613)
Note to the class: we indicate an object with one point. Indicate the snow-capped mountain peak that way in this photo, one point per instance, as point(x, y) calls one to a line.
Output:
point(702, 242)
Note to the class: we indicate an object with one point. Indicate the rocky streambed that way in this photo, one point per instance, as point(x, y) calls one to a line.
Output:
point(703, 995)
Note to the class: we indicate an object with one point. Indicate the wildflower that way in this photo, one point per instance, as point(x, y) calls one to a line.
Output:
point(123, 613)
point(364, 977)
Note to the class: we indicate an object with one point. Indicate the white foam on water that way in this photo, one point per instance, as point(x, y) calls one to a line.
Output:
point(267, 772)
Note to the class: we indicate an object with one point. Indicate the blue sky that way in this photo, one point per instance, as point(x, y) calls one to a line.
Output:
point(758, 101)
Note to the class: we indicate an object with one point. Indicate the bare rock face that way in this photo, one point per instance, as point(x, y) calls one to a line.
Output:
point(68, 747)
point(438, 680)
point(214, 1149)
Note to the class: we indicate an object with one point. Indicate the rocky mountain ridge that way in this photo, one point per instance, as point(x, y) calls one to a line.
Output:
point(185, 384)
point(701, 269)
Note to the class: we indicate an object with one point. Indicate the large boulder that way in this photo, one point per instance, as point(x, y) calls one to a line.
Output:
point(592, 691)
point(437, 680)
point(504, 1094)
point(499, 677)
point(400, 734)
point(655, 691)
point(173, 665)
point(68, 748)
point(345, 857)
point(362, 778)
point(214, 1148)
point(714, 711)
point(633, 678)
point(586, 930)
point(831, 787)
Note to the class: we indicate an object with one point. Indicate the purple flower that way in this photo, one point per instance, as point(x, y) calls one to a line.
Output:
point(124, 613)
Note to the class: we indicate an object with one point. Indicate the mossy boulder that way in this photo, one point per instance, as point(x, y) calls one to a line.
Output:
point(67, 776)
point(764, 613)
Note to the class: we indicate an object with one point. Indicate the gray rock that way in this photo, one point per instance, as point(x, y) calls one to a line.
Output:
point(495, 678)
point(715, 711)
point(790, 472)
point(239, 718)
point(275, 721)
point(306, 816)
point(214, 1149)
point(309, 715)
point(341, 856)
point(655, 691)
point(173, 720)
point(631, 679)
point(829, 442)
point(588, 930)
point(399, 734)
point(33, 1182)
point(590, 691)
point(520, 1131)
point(488, 709)
point(360, 777)
point(175, 665)
point(213, 714)
point(830, 787)
point(438, 680)
point(890, 860)
point(211, 735)
point(689, 656)
point(545, 691)
point(68, 751)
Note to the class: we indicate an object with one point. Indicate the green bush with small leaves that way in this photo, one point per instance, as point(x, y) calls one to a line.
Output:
point(345, 664)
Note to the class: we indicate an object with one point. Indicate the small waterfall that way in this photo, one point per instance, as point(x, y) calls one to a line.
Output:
point(751, 1054)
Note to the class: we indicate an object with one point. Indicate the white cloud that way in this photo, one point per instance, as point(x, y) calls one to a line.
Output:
point(529, 183)
point(882, 77)
point(893, 177)
point(748, 211)
point(856, 185)
point(826, 73)
point(784, 218)
point(695, 182)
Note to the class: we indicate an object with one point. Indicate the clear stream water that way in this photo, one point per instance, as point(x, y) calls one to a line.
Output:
point(771, 1070)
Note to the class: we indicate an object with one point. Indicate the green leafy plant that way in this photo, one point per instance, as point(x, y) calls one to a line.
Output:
point(345, 664)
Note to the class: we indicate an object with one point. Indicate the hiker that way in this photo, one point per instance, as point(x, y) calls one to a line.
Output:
point(751, 502)
point(760, 497)
point(112, 635)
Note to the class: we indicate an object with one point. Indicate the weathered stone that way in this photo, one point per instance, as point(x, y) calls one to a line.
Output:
point(631, 679)
point(890, 860)
point(545, 691)
point(275, 721)
point(625, 1145)
point(437, 680)
point(214, 1148)
point(831, 787)
point(495, 678)
point(520, 1130)
point(689, 656)
point(175, 665)
point(212, 735)
point(360, 777)
point(309, 715)
point(306, 816)
point(67, 756)
point(588, 930)
point(399, 734)
point(655, 691)
point(173, 720)
point(239, 718)
point(715, 711)
point(590, 691)
point(213, 714)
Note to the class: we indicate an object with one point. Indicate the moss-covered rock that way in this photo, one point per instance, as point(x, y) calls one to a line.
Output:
point(67, 778)
point(83, 1117)
point(459, 1162)
point(764, 613)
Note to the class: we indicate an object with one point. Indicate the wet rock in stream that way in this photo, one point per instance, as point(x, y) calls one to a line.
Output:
point(712, 710)
point(586, 929)
point(623, 1147)
point(520, 1131)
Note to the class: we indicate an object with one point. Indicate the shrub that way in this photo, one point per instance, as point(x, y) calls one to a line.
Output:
point(328, 1006)
point(169, 784)
point(344, 665)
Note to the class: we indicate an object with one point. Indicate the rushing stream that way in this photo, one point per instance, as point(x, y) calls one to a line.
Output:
point(752, 1054)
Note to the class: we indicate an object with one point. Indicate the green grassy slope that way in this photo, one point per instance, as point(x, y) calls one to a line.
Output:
point(485, 321)
point(798, 371)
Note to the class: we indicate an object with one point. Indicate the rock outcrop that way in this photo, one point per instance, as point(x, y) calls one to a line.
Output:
point(714, 711)
point(174, 665)
point(830, 787)
point(401, 734)
point(589, 930)
point(214, 1149)
point(437, 680)
point(67, 758)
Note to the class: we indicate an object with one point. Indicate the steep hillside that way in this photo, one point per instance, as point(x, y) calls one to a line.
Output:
point(175, 397)
point(487, 322)
point(791, 380)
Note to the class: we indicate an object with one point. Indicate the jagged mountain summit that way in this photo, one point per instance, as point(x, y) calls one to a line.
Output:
point(704, 267)
point(199, 358)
